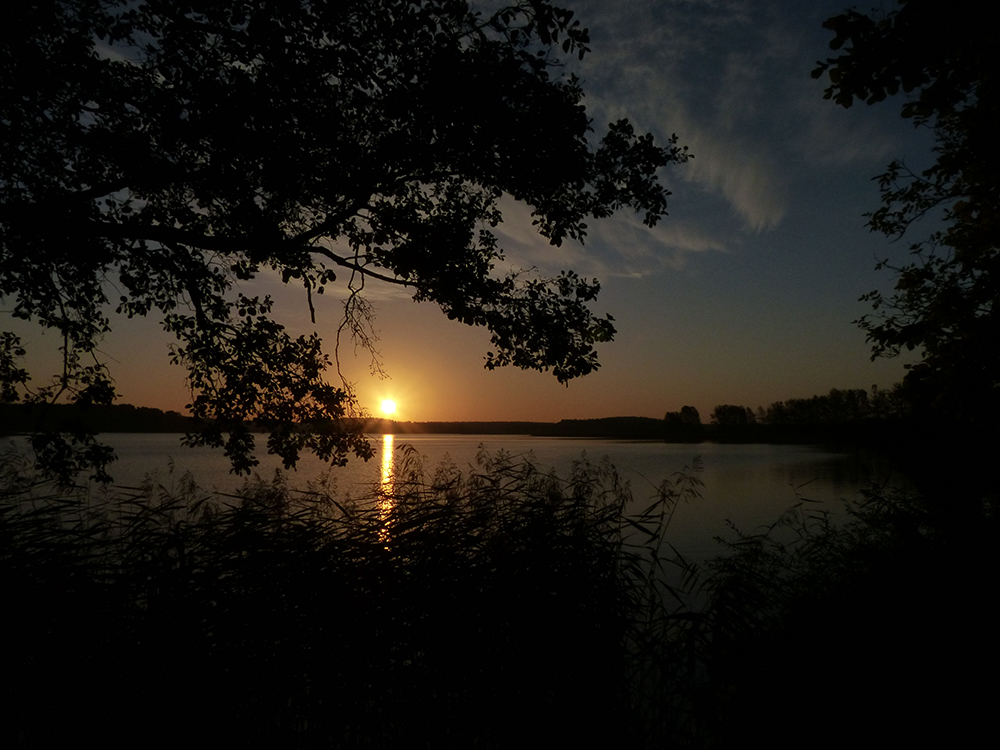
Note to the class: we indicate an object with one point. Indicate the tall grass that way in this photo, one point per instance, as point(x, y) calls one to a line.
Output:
point(492, 608)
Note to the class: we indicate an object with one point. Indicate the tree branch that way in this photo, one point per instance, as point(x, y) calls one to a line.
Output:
point(341, 261)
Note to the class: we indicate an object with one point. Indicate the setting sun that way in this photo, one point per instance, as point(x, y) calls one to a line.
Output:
point(388, 406)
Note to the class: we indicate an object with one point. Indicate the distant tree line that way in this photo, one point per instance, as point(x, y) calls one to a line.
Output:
point(839, 412)
point(27, 418)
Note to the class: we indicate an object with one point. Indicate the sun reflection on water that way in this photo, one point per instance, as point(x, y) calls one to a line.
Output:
point(385, 501)
point(388, 465)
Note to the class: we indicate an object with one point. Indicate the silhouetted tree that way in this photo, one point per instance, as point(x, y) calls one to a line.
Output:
point(690, 415)
point(733, 416)
point(734, 423)
point(945, 301)
point(683, 425)
point(170, 150)
point(833, 408)
point(889, 403)
point(849, 405)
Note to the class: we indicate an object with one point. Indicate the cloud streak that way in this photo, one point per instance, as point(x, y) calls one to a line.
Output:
point(657, 63)
point(620, 245)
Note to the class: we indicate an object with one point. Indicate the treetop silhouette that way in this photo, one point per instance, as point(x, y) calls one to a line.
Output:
point(169, 150)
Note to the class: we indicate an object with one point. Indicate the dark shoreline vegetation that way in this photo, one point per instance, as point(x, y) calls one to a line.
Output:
point(477, 610)
point(455, 610)
point(843, 416)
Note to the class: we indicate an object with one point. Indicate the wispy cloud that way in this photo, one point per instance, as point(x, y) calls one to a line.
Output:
point(618, 246)
point(658, 63)
point(636, 250)
point(744, 173)
point(525, 248)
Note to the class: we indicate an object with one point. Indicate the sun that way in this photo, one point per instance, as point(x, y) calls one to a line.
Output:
point(388, 406)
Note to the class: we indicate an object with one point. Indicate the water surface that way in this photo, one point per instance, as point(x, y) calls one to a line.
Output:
point(748, 485)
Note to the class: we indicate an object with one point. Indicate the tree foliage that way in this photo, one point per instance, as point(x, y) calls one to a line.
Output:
point(730, 415)
point(838, 407)
point(945, 298)
point(169, 150)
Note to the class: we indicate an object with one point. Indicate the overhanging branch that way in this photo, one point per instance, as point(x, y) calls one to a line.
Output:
point(341, 261)
point(168, 236)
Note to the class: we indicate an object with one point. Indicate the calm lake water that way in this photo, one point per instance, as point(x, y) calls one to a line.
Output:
point(749, 485)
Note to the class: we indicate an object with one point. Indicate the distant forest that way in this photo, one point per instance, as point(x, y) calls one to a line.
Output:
point(18, 419)
point(839, 415)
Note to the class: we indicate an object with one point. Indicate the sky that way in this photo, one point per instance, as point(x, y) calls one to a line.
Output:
point(744, 294)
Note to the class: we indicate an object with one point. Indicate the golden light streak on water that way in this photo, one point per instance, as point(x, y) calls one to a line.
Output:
point(385, 502)
point(387, 463)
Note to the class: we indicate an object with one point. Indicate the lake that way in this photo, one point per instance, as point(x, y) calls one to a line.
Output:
point(749, 485)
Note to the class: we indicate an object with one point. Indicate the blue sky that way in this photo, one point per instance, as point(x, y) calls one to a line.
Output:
point(744, 294)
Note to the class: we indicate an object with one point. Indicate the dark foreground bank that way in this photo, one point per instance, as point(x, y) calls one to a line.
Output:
point(498, 608)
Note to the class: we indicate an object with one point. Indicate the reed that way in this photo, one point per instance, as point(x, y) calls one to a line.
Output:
point(477, 609)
